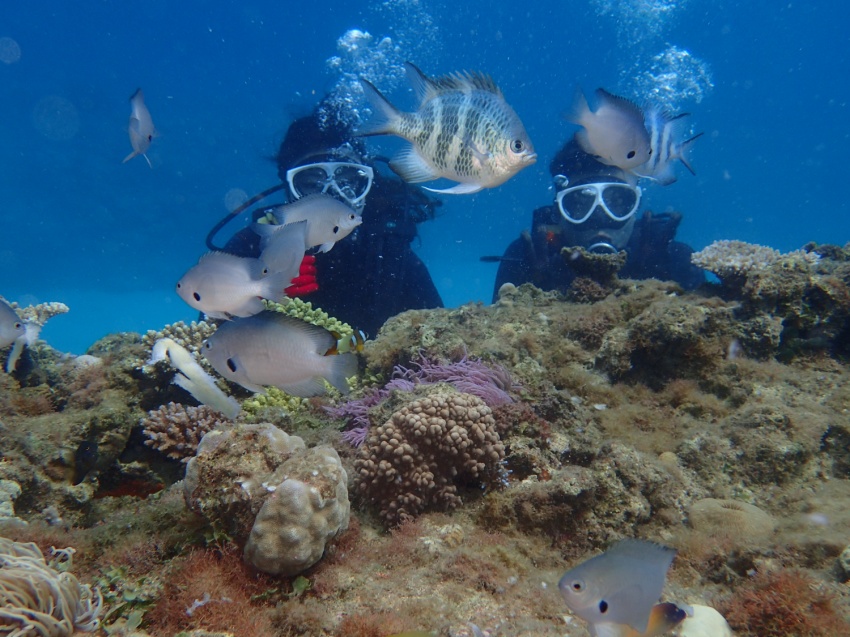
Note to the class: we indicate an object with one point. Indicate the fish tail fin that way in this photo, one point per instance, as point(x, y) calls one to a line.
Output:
point(683, 154)
point(274, 285)
point(340, 369)
point(579, 109)
point(385, 114)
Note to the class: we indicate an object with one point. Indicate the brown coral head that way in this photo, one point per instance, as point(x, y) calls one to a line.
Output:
point(737, 522)
point(418, 459)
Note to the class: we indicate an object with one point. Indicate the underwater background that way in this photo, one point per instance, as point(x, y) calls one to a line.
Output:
point(765, 81)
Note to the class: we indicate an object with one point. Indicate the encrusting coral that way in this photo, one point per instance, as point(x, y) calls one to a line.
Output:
point(176, 429)
point(416, 460)
point(36, 598)
point(270, 494)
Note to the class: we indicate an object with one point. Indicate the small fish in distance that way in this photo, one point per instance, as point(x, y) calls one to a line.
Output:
point(140, 128)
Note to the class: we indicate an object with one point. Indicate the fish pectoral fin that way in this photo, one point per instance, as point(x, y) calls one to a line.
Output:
point(412, 167)
point(135, 126)
point(326, 247)
point(460, 189)
point(130, 156)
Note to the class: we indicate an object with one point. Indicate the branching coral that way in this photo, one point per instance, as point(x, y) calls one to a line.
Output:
point(306, 312)
point(190, 336)
point(37, 599)
point(176, 429)
point(257, 406)
point(416, 460)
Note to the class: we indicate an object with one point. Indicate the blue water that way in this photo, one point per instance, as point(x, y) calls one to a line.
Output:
point(223, 81)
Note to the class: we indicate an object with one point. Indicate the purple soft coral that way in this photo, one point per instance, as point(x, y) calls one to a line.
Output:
point(471, 376)
point(468, 375)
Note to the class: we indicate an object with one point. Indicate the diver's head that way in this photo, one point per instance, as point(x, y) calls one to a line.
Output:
point(596, 203)
point(317, 156)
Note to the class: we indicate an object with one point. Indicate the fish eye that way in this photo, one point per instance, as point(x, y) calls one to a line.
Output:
point(18, 326)
point(631, 154)
point(517, 145)
point(207, 344)
point(231, 365)
point(196, 296)
point(603, 606)
point(352, 217)
point(577, 585)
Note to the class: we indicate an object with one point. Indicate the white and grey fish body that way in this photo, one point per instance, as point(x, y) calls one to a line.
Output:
point(223, 285)
point(283, 248)
point(12, 327)
point(621, 586)
point(273, 349)
point(328, 220)
point(665, 133)
point(140, 128)
point(464, 130)
point(614, 133)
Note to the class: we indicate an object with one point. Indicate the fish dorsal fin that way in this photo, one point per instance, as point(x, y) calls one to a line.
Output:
point(427, 88)
point(627, 105)
point(321, 338)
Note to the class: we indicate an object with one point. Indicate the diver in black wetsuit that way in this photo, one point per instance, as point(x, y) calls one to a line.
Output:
point(595, 208)
point(373, 273)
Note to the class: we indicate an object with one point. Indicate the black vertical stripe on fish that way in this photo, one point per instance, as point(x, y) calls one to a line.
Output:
point(446, 135)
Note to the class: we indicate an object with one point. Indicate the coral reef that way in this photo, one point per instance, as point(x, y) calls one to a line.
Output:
point(637, 408)
point(175, 430)
point(272, 495)
point(416, 460)
point(41, 598)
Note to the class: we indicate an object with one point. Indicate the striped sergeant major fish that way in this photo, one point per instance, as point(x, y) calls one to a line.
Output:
point(665, 132)
point(464, 130)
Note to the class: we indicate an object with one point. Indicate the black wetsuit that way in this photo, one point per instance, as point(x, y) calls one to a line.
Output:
point(652, 253)
point(373, 273)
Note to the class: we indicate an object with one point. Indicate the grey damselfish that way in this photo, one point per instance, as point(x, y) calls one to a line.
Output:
point(464, 130)
point(328, 220)
point(275, 349)
point(614, 133)
point(140, 128)
point(619, 587)
point(11, 326)
point(223, 285)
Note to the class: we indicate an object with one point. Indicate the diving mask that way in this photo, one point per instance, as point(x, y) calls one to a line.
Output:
point(618, 200)
point(347, 180)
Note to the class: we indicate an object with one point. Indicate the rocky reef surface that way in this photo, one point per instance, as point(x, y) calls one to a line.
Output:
point(487, 449)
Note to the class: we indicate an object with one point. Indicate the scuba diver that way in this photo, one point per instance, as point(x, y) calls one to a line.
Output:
point(373, 273)
point(595, 208)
